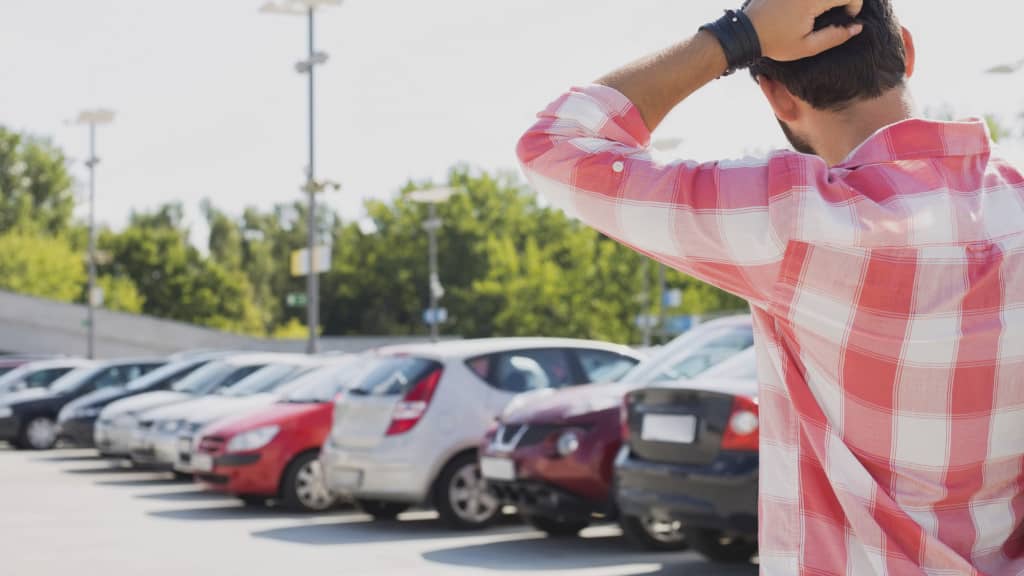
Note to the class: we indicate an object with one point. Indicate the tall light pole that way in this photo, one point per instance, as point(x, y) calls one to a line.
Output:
point(432, 197)
point(92, 119)
point(307, 66)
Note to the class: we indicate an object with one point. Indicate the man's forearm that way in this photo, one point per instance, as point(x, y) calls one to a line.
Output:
point(658, 83)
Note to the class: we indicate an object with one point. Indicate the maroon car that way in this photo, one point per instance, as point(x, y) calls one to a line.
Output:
point(552, 454)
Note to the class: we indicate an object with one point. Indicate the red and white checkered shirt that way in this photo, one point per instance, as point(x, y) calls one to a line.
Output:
point(888, 296)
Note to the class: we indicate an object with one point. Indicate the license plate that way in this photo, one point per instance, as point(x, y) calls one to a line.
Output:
point(346, 478)
point(202, 462)
point(498, 468)
point(185, 445)
point(669, 428)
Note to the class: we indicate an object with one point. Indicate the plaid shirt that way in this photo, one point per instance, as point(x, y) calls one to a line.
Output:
point(888, 296)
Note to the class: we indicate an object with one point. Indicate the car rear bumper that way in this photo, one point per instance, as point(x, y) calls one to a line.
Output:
point(381, 474)
point(156, 450)
point(721, 495)
point(79, 431)
point(543, 499)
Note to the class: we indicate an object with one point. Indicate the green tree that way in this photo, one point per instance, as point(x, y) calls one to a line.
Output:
point(35, 187)
point(43, 266)
point(120, 294)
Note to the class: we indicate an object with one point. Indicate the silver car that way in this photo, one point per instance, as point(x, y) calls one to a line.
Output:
point(119, 430)
point(407, 431)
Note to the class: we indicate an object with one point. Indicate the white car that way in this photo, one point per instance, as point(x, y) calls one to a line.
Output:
point(119, 431)
point(407, 431)
point(38, 374)
point(173, 428)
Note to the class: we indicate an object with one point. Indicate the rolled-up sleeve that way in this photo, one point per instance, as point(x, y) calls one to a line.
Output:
point(726, 223)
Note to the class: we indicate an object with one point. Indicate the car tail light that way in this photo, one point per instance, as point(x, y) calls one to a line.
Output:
point(624, 419)
point(742, 432)
point(414, 404)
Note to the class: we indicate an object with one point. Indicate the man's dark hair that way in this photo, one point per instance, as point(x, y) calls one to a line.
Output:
point(865, 67)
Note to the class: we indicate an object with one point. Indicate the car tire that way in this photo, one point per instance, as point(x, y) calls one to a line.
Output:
point(557, 527)
point(39, 433)
point(182, 476)
point(643, 533)
point(381, 510)
point(250, 501)
point(303, 488)
point(717, 547)
point(461, 496)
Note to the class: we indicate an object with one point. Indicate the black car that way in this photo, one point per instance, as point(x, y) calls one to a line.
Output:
point(28, 419)
point(690, 461)
point(77, 420)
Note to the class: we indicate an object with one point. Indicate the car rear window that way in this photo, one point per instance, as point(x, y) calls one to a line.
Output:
point(393, 376)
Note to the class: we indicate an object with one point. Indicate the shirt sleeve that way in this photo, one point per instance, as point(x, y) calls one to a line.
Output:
point(726, 223)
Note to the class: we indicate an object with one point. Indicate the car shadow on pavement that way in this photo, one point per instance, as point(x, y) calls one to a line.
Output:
point(229, 512)
point(78, 458)
point(152, 482)
point(544, 554)
point(361, 529)
point(110, 468)
point(183, 496)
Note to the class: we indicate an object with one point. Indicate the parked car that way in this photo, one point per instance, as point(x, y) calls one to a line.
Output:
point(37, 374)
point(690, 459)
point(407, 431)
point(552, 456)
point(119, 432)
point(11, 361)
point(28, 419)
point(77, 420)
point(273, 453)
point(169, 441)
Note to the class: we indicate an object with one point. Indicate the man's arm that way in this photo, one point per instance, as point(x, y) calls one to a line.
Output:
point(727, 223)
point(658, 83)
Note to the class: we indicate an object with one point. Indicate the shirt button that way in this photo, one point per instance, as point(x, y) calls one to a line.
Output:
point(618, 166)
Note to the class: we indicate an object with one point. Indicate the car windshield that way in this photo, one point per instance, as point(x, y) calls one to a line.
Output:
point(72, 380)
point(322, 384)
point(264, 380)
point(14, 376)
point(205, 379)
point(174, 370)
point(693, 353)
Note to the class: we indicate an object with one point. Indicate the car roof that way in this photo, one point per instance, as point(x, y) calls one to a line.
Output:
point(455, 349)
point(249, 358)
point(131, 361)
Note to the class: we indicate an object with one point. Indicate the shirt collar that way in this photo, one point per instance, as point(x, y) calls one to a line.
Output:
point(917, 139)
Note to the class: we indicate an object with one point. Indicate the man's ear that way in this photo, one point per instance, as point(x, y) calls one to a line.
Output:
point(782, 101)
point(908, 43)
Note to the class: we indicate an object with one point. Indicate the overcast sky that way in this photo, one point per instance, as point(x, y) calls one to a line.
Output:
point(209, 105)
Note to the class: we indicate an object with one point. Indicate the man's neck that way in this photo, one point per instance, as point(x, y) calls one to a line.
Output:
point(844, 131)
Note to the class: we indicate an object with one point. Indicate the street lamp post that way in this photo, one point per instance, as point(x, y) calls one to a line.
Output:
point(432, 197)
point(92, 119)
point(308, 8)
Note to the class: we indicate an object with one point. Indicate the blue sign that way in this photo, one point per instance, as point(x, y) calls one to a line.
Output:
point(678, 324)
point(433, 316)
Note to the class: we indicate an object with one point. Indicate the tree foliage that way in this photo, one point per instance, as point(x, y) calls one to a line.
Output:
point(38, 265)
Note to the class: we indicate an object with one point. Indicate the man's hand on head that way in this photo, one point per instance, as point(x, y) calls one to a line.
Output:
point(786, 27)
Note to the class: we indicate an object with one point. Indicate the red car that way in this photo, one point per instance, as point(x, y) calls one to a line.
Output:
point(552, 454)
point(273, 454)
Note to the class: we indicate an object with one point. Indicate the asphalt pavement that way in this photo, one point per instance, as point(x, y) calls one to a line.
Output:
point(67, 512)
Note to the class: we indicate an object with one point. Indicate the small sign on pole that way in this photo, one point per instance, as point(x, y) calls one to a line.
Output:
point(321, 261)
point(432, 316)
point(296, 300)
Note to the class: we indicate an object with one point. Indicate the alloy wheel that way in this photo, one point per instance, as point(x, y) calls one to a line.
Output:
point(41, 433)
point(470, 497)
point(668, 532)
point(310, 487)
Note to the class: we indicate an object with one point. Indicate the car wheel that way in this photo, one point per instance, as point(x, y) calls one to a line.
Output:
point(653, 534)
point(461, 495)
point(253, 501)
point(718, 547)
point(557, 527)
point(39, 433)
point(182, 476)
point(381, 510)
point(303, 488)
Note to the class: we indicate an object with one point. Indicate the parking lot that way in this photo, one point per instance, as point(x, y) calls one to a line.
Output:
point(67, 512)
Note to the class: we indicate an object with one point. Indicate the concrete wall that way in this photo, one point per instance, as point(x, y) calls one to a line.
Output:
point(31, 325)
